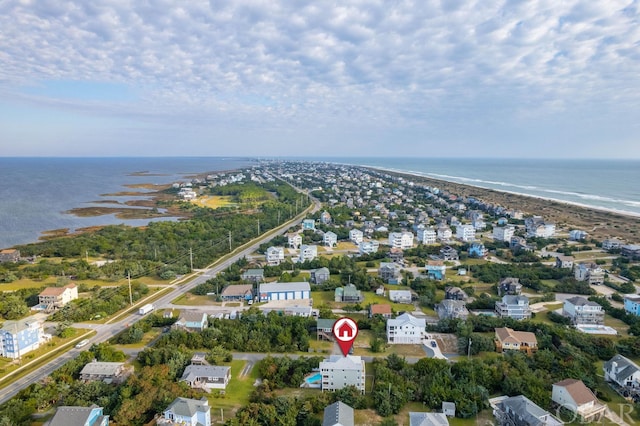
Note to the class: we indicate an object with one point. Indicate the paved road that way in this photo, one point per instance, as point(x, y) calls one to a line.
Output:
point(106, 331)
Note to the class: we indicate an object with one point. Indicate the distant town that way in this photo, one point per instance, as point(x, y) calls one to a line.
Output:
point(468, 312)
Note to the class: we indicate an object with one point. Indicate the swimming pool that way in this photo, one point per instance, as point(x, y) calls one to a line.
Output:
point(313, 379)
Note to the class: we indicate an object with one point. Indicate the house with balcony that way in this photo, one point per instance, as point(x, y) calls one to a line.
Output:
point(186, 412)
point(319, 276)
point(401, 240)
point(294, 240)
point(340, 371)
point(448, 253)
point(427, 236)
point(356, 236)
point(330, 239)
point(324, 329)
point(537, 227)
point(436, 269)
point(583, 311)
point(577, 235)
point(632, 251)
point(253, 275)
point(509, 285)
point(275, 255)
point(368, 247)
point(575, 396)
point(53, 298)
point(107, 372)
point(21, 336)
point(390, 272)
point(444, 233)
point(406, 329)
point(507, 339)
point(307, 252)
point(590, 272)
point(515, 307)
point(503, 233)
point(454, 293)
point(611, 244)
point(466, 233)
point(206, 377)
point(79, 416)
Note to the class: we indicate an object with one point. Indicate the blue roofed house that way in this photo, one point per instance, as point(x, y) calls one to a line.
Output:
point(436, 269)
point(308, 225)
point(79, 416)
point(191, 321)
point(186, 412)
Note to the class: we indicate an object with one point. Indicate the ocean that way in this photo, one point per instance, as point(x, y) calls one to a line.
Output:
point(37, 192)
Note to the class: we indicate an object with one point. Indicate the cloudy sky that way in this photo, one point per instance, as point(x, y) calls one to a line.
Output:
point(450, 78)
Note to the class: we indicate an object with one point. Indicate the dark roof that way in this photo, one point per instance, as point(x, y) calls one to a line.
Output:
point(338, 414)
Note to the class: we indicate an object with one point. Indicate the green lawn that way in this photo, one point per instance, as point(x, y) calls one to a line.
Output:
point(236, 395)
point(189, 299)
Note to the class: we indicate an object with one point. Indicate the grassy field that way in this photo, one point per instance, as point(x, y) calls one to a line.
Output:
point(236, 395)
point(189, 299)
point(51, 282)
point(327, 298)
point(214, 202)
point(146, 339)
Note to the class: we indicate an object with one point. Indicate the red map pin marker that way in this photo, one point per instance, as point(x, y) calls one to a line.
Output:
point(345, 331)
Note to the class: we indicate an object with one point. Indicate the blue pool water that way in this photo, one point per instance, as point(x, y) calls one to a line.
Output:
point(315, 378)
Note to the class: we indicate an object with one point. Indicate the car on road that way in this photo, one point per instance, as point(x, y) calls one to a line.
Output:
point(82, 343)
point(434, 344)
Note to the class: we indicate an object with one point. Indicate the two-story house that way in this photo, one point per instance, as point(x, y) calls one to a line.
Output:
point(108, 372)
point(319, 276)
point(79, 416)
point(308, 225)
point(583, 311)
point(632, 304)
point(400, 296)
point(307, 252)
point(9, 255)
point(389, 272)
point(521, 411)
point(341, 371)
point(368, 247)
point(338, 414)
point(575, 396)
point(507, 339)
point(20, 337)
point(565, 262)
point(294, 240)
point(406, 329)
point(436, 269)
point(186, 412)
point(503, 233)
point(477, 250)
point(448, 253)
point(191, 321)
point(253, 275)
point(349, 293)
point(516, 307)
point(509, 285)
point(330, 239)
point(622, 371)
point(206, 377)
point(452, 309)
point(356, 236)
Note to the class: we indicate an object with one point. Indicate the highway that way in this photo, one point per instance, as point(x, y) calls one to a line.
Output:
point(106, 331)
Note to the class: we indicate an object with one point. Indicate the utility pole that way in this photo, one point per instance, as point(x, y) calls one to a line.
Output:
point(469, 349)
point(258, 226)
point(278, 217)
point(130, 294)
point(229, 241)
point(191, 257)
point(86, 255)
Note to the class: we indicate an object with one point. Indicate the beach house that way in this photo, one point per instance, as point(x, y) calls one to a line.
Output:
point(307, 252)
point(274, 256)
point(583, 311)
point(503, 233)
point(356, 236)
point(21, 336)
point(406, 329)
point(590, 272)
point(79, 416)
point(515, 307)
point(341, 371)
point(186, 412)
point(52, 298)
point(435, 269)
point(575, 396)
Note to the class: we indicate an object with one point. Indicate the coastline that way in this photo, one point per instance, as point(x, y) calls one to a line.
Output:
point(599, 222)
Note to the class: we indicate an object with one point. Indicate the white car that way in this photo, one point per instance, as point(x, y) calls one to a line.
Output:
point(82, 343)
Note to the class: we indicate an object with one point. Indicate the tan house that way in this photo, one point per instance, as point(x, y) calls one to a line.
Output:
point(576, 397)
point(383, 309)
point(53, 298)
point(9, 255)
point(510, 340)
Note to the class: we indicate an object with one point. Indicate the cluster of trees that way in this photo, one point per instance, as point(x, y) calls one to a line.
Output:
point(103, 302)
point(253, 332)
point(15, 304)
point(530, 275)
point(135, 332)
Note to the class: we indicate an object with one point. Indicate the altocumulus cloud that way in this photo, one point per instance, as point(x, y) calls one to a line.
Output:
point(429, 70)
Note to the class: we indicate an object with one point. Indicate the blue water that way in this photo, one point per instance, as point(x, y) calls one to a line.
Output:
point(36, 193)
point(313, 379)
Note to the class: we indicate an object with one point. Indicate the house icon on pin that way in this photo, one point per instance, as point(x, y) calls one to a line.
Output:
point(346, 331)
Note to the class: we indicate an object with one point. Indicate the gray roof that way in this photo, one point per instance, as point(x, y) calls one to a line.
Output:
point(72, 416)
point(277, 287)
point(188, 407)
point(428, 419)
point(581, 301)
point(624, 366)
point(192, 372)
point(102, 368)
point(525, 408)
point(192, 316)
point(338, 414)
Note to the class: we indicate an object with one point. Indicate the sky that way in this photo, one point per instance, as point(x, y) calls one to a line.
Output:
point(447, 78)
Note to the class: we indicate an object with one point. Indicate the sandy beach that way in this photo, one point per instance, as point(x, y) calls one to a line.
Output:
point(600, 223)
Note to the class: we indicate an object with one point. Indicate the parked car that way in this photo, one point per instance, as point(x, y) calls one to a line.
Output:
point(82, 343)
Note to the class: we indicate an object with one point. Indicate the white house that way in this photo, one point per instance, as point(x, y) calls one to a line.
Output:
point(284, 291)
point(275, 255)
point(427, 235)
point(516, 307)
point(577, 235)
point(186, 412)
point(583, 311)
point(294, 240)
point(368, 247)
point(400, 296)
point(341, 371)
point(466, 233)
point(356, 236)
point(537, 227)
point(444, 233)
point(330, 239)
point(402, 240)
point(308, 252)
point(406, 329)
point(576, 397)
point(622, 371)
point(503, 233)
